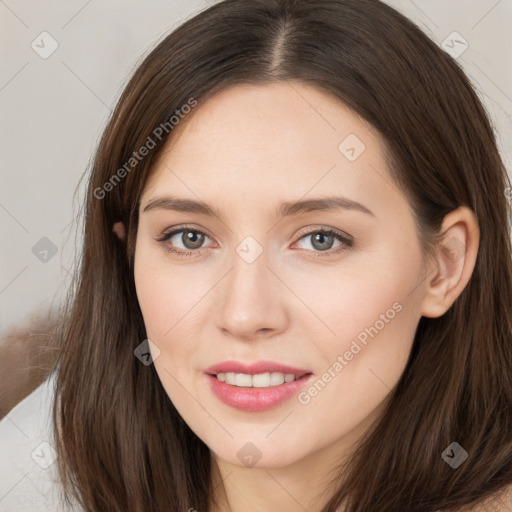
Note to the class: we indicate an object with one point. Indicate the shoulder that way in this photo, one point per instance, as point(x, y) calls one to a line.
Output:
point(28, 478)
point(500, 501)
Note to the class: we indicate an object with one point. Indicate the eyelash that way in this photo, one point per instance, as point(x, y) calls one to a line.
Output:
point(346, 242)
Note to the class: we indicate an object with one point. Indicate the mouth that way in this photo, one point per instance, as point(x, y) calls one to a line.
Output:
point(256, 392)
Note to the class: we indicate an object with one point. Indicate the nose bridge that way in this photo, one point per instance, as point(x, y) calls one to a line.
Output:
point(250, 293)
point(248, 280)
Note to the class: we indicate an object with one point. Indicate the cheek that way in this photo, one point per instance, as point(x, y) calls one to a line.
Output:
point(167, 299)
point(369, 316)
point(154, 300)
point(166, 292)
point(347, 302)
point(366, 357)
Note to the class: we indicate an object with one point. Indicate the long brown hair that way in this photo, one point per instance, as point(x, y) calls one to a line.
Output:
point(121, 443)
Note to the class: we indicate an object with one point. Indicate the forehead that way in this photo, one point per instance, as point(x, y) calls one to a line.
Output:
point(271, 118)
point(281, 140)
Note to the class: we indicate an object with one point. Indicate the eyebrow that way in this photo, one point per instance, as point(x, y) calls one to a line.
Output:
point(286, 209)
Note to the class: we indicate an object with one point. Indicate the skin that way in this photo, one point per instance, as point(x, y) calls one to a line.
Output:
point(244, 151)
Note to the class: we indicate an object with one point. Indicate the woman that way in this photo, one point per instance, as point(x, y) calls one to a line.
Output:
point(295, 287)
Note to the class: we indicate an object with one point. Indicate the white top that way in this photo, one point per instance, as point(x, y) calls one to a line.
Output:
point(28, 479)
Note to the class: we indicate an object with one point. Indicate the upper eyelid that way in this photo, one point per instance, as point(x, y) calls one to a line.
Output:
point(167, 234)
point(321, 228)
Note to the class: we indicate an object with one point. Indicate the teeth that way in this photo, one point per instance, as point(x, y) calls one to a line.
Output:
point(260, 380)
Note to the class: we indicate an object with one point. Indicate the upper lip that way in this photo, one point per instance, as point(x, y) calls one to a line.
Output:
point(254, 368)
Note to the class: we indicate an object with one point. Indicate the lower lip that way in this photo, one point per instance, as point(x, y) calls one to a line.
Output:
point(256, 399)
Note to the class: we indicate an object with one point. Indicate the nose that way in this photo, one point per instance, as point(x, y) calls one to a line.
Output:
point(252, 301)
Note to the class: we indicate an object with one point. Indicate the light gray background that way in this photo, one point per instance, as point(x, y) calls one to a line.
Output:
point(55, 109)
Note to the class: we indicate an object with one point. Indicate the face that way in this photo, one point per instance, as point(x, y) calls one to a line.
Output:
point(331, 293)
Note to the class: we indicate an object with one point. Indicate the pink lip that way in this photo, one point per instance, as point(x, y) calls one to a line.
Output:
point(254, 368)
point(255, 399)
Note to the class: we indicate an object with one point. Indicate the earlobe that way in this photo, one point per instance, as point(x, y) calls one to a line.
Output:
point(119, 230)
point(453, 264)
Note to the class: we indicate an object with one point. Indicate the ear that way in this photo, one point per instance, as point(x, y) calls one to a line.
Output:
point(452, 266)
point(119, 230)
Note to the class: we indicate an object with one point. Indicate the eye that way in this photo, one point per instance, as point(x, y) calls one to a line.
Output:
point(191, 239)
point(322, 241)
